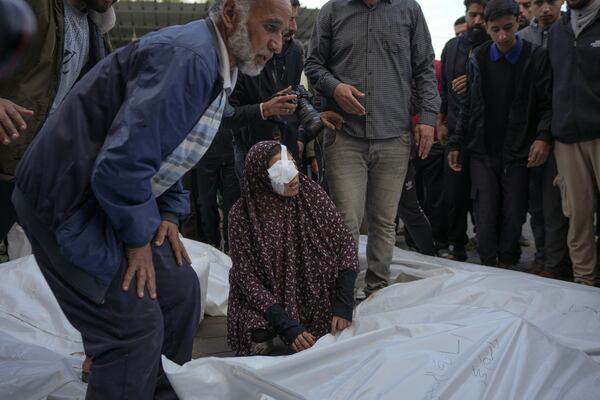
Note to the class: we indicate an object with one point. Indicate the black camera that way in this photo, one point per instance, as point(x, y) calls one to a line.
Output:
point(308, 116)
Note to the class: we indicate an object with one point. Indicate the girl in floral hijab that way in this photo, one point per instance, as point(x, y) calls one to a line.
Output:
point(294, 259)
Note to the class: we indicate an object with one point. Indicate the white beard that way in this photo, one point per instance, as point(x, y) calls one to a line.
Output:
point(240, 48)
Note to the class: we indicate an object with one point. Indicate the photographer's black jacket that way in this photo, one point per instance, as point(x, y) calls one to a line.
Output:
point(576, 92)
point(282, 70)
point(529, 114)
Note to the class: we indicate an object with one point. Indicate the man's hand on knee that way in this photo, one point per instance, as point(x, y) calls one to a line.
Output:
point(139, 264)
point(170, 230)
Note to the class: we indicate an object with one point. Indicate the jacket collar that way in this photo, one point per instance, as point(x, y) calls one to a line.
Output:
point(512, 56)
point(228, 75)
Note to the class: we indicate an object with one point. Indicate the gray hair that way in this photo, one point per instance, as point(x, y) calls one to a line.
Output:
point(216, 8)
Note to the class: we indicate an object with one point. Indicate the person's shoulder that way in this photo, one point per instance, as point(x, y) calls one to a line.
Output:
point(452, 43)
point(483, 48)
point(525, 31)
point(46, 12)
point(561, 24)
point(334, 4)
point(538, 53)
point(407, 3)
point(411, 5)
point(481, 53)
point(296, 47)
point(195, 38)
point(318, 195)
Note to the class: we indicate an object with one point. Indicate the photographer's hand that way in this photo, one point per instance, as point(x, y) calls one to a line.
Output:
point(283, 92)
point(11, 117)
point(346, 97)
point(282, 103)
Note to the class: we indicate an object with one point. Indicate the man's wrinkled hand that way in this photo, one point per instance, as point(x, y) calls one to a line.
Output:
point(538, 153)
point(140, 266)
point(332, 120)
point(424, 135)
point(346, 96)
point(11, 120)
point(170, 230)
point(453, 162)
point(303, 341)
point(338, 324)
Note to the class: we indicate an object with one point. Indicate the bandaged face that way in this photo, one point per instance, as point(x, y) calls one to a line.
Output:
point(284, 174)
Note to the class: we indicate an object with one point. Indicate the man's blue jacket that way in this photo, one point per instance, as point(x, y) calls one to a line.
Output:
point(87, 175)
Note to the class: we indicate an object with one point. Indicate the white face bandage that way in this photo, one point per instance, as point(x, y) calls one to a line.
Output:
point(282, 172)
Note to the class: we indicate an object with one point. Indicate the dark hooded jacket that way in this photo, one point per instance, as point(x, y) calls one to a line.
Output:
point(530, 112)
point(576, 93)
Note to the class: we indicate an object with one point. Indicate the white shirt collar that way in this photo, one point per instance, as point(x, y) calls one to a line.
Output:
point(229, 75)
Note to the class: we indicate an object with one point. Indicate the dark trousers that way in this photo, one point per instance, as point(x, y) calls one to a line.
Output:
point(126, 335)
point(8, 215)
point(536, 210)
point(239, 155)
point(416, 223)
point(548, 223)
point(429, 179)
point(500, 195)
point(216, 170)
point(457, 188)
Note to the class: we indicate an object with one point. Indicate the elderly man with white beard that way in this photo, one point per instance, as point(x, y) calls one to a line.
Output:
point(99, 190)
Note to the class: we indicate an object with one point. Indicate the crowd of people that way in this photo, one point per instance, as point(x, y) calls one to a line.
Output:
point(105, 154)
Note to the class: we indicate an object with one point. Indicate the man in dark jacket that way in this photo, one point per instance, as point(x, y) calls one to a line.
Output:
point(258, 108)
point(574, 51)
point(546, 13)
point(548, 223)
point(457, 185)
point(70, 41)
point(504, 125)
point(99, 190)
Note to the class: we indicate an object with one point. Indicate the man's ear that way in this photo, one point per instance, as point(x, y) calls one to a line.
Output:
point(230, 17)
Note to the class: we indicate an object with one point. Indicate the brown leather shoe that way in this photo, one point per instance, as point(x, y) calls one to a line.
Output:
point(552, 275)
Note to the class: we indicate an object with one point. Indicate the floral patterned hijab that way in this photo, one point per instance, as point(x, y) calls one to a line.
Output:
point(285, 250)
